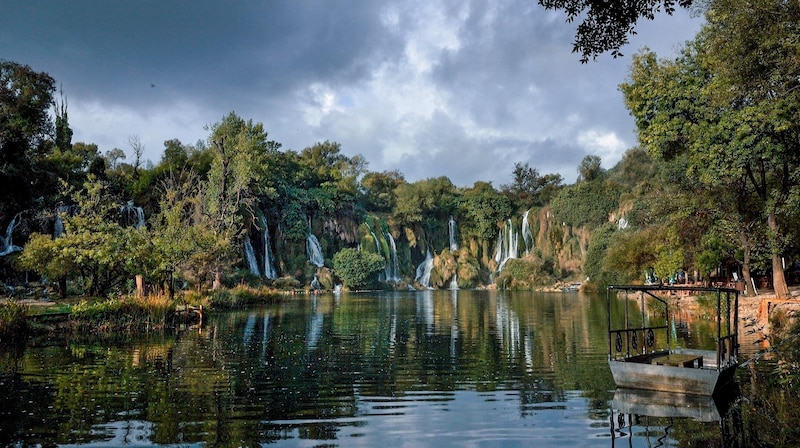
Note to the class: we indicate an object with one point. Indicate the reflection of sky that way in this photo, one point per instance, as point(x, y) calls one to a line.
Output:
point(467, 419)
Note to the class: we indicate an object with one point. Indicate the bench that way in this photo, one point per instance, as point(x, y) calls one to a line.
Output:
point(679, 360)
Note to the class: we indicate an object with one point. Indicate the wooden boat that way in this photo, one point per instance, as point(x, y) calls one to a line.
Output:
point(642, 355)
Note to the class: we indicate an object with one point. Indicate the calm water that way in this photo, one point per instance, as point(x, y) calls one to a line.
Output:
point(443, 368)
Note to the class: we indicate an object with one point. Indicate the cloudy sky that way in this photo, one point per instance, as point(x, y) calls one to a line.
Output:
point(454, 88)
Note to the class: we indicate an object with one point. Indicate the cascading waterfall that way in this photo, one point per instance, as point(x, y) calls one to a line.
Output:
point(132, 215)
point(527, 236)
point(315, 284)
point(269, 260)
point(314, 251)
point(250, 256)
point(423, 276)
point(507, 243)
point(454, 281)
point(453, 229)
point(392, 274)
point(6, 244)
point(378, 250)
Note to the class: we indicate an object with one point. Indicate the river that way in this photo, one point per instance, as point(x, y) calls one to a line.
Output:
point(394, 369)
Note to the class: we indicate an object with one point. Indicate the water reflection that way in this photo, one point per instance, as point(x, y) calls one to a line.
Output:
point(392, 369)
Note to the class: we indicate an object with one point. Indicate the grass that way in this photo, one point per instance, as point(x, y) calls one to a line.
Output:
point(13, 320)
point(124, 313)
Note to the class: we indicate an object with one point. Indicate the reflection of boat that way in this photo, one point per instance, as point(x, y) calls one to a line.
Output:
point(643, 356)
point(651, 403)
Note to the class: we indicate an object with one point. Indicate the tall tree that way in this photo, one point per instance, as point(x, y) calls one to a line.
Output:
point(240, 163)
point(529, 188)
point(25, 132)
point(734, 121)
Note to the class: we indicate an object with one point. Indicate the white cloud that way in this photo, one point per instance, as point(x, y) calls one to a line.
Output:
point(607, 145)
point(110, 126)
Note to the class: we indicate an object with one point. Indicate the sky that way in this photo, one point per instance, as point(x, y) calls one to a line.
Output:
point(463, 89)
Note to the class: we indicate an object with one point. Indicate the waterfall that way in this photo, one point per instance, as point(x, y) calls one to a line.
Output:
point(315, 284)
point(314, 251)
point(454, 282)
point(453, 229)
point(527, 236)
point(269, 260)
point(132, 215)
point(507, 242)
point(392, 274)
point(423, 276)
point(6, 244)
point(379, 250)
point(250, 256)
point(58, 225)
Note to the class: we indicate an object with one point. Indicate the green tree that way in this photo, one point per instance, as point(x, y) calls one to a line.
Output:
point(94, 248)
point(483, 208)
point(236, 176)
point(378, 190)
point(529, 188)
point(25, 133)
point(590, 170)
point(732, 121)
point(358, 269)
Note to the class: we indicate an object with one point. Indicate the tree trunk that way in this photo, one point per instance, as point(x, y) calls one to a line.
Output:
point(171, 286)
point(62, 287)
point(746, 249)
point(778, 279)
point(217, 280)
point(139, 286)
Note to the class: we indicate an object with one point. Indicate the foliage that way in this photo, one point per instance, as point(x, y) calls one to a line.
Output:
point(482, 208)
point(630, 254)
point(586, 203)
point(606, 25)
point(526, 273)
point(378, 190)
point(124, 314)
point(25, 125)
point(240, 296)
point(590, 170)
point(733, 122)
point(13, 320)
point(529, 188)
point(94, 247)
point(357, 269)
point(599, 244)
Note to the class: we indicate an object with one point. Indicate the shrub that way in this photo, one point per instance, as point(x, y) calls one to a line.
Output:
point(13, 320)
point(356, 269)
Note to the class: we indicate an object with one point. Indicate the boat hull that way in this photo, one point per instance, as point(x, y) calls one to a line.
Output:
point(697, 381)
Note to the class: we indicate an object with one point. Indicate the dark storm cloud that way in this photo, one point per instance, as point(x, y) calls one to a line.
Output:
point(217, 51)
point(430, 88)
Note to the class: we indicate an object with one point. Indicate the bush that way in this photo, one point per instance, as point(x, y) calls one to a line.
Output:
point(125, 314)
point(356, 269)
point(13, 320)
point(525, 273)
